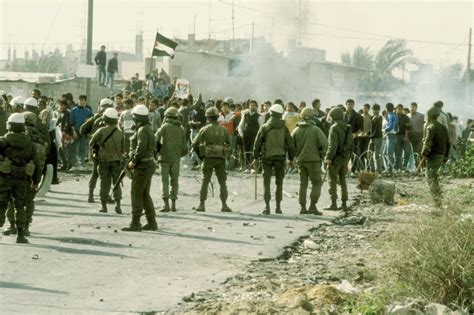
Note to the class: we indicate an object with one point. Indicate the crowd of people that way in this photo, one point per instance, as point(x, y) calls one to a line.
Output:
point(146, 126)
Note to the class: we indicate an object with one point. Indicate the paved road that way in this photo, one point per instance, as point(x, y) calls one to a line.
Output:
point(85, 264)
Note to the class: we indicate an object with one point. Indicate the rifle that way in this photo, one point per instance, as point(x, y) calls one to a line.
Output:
point(125, 172)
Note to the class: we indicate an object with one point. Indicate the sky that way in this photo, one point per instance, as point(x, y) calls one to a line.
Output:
point(437, 32)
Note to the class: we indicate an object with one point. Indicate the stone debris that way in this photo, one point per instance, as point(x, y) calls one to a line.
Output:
point(382, 191)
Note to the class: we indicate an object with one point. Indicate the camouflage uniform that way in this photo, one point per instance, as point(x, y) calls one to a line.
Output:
point(311, 145)
point(338, 155)
point(213, 144)
point(171, 141)
point(435, 150)
point(18, 157)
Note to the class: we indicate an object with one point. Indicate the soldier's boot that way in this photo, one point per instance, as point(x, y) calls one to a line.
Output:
point(303, 208)
point(225, 207)
point(103, 208)
point(166, 206)
point(173, 205)
point(21, 239)
point(26, 230)
point(11, 229)
point(313, 209)
point(110, 200)
point(150, 225)
point(266, 211)
point(278, 208)
point(332, 206)
point(118, 209)
point(91, 196)
point(344, 206)
point(135, 225)
point(201, 207)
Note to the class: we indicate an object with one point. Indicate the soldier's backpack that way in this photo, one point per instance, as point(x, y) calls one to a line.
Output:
point(40, 146)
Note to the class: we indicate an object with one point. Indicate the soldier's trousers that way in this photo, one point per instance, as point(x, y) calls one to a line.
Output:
point(94, 176)
point(337, 172)
point(268, 167)
point(29, 206)
point(310, 171)
point(13, 189)
point(208, 166)
point(109, 173)
point(29, 203)
point(141, 184)
point(169, 176)
point(432, 168)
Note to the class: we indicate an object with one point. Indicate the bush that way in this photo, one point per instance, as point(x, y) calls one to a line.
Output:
point(435, 258)
point(463, 167)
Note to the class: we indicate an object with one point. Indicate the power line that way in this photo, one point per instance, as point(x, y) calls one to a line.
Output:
point(345, 29)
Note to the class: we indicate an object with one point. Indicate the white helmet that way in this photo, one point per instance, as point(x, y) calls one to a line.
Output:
point(228, 100)
point(17, 101)
point(16, 118)
point(106, 102)
point(277, 108)
point(111, 113)
point(31, 102)
point(140, 110)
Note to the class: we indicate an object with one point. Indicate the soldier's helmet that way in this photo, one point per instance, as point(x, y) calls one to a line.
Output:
point(433, 112)
point(140, 110)
point(17, 101)
point(111, 113)
point(307, 113)
point(140, 113)
point(172, 112)
point(336, 114)
point(212, 112)
point(106, 102)
point(277, 108)
point(31, 102)
point(16, 122)
point(30, 118)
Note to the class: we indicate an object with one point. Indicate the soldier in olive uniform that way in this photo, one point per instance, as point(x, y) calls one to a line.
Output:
point(89, 127)
point(435, 150)
point(337, 157)
point(212, 144)
point(311, 145)
point(171, 146)
point(272, 144)
point(42, 141)
point(107, 143)
point(142, 152)
point(19, 169)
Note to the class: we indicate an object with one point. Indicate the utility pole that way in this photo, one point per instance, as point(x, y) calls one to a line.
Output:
point(468, 71)
point(90, 20)
point(253, 36)
point(233, 29)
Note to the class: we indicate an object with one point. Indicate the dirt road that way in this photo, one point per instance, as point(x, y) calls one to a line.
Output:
point(80, 261)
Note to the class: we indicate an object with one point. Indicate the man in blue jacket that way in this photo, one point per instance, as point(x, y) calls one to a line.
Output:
point(79, 115)
point(390, 131)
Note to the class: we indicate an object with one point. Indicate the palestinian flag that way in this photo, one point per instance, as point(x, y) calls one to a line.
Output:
point(163, 46)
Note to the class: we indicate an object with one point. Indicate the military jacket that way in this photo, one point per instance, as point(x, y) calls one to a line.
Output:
point(171, 139)
point(310, 142)
point(142, 144)
point(436, 141)
point(112, 149)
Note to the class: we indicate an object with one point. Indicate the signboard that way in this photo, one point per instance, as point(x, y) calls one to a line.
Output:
point(182, 89)
point(86, 71)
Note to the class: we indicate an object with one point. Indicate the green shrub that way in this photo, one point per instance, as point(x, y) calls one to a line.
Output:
point(434, 258)
point(463, 167)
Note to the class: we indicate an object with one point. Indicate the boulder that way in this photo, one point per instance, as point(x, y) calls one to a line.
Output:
point(382, 191)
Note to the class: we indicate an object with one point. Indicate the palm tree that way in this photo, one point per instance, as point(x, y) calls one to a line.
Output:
point(393, 55)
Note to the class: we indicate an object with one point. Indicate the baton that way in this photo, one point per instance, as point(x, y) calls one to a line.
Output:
point(255, 179)
point(418, 169)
